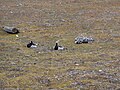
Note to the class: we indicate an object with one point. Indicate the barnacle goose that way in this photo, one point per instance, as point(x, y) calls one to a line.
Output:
point(57, 47)
point(31, 44)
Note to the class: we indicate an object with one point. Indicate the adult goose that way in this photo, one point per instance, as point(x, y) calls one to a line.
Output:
point(31, 44)
point(11, 30)
point(57, 47)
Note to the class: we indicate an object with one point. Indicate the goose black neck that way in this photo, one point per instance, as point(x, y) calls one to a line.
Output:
point(56, 46)
point(31, 42)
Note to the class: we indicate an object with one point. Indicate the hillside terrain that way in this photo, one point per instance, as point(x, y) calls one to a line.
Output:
point(91, 66)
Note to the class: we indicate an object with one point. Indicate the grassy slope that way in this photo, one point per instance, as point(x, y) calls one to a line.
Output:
point(93, 66)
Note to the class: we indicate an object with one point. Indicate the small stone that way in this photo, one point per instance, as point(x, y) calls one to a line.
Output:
point(62, 20)
point(100, 70)
point(11, 12)
point(20, 4)
point(13, 63)
point(17, 36)
point(77, 64)
point(27, 55)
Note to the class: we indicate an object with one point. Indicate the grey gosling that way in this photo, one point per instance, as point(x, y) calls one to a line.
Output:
point(80, 40)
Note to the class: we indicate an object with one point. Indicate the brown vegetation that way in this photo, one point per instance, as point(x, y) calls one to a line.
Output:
point(93, 66)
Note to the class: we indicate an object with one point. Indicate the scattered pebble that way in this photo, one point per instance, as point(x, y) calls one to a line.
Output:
point(11, 12)
point(17, 36)
point(77, 64)
point(100, 70)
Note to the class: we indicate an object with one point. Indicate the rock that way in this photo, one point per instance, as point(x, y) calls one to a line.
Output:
point(100, 70)
point(17, 36)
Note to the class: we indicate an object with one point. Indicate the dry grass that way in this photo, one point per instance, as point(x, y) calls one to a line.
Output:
point(93, 66)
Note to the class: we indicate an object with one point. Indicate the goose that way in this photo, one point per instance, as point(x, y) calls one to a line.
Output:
point(80, 40)
point(11, 30)
point(57, 47)
point(31, 44)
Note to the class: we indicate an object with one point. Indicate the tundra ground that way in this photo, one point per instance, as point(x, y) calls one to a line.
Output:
point(92, 66)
